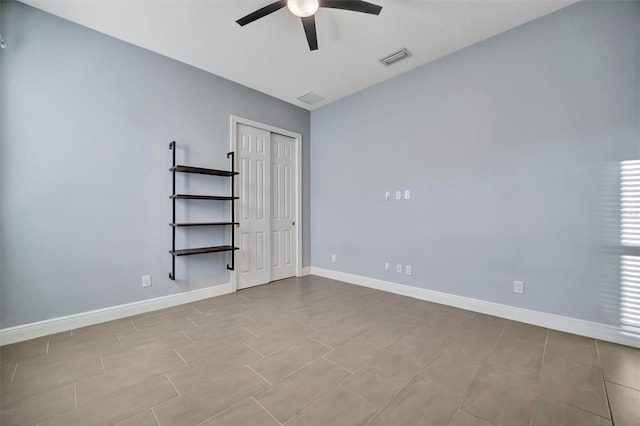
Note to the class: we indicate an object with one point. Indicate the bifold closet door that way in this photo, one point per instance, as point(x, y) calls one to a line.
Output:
point(283, 207)
point(254, 152)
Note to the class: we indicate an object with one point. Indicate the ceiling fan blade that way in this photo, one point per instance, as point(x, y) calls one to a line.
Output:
point(261, 13)
point(353, 5)
point(309, 24)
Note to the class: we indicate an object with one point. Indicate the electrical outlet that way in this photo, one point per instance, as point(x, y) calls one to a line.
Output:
point(399, 268)
point(407, 194)
point(333, 258)
point(146, 281)
point(387, 195)
point(386, 266)
point(407, 269)
point(398, 195)
point(518, 287)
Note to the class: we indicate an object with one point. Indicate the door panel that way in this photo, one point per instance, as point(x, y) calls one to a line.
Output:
point(283, 206)
point(255, 199)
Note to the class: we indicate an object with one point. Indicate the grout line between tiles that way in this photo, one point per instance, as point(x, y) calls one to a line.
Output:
point(224, 411)
point(47, 351)
point(248, 317)
point(249, 331)
point(352, 392)
point(187, 336)
point(72, 332)
point(120, 341)
point(253, 349)
point(341, 367)
point(156, 417)
point(183, 360)
point(102, 363)
point(198, 310)
point(134, 326)
point(604, 384)
point(193, 322)
point(75, 393)
point(174, 386)
point(15, 368)
point(544, 353)
point(268, 412)
point(323, 344)
point(263, 378)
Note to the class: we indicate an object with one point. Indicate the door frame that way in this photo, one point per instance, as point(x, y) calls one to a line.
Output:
point(235, 120)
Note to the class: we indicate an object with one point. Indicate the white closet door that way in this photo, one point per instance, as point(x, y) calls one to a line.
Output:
point(283, 207)
point(254, 152)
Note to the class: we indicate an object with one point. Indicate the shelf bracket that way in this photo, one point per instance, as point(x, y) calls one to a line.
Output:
point(233, 212)
point(172, 274)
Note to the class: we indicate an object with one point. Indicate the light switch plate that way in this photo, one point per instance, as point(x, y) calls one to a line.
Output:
point(407, 194)
point(518, 287)
point(387, 195)
point(407, 269)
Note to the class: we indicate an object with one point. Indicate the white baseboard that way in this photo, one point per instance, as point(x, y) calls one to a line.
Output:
point(70, 322)
point(542, 319)
point(306, 271)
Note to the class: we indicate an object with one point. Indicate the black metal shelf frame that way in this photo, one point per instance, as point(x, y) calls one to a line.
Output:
point(199, 170)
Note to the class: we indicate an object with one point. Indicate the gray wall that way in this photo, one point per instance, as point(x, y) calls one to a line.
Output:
point(86, 124)
point(511, 149)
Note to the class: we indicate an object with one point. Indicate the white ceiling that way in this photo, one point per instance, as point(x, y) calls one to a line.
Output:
point(271, 55)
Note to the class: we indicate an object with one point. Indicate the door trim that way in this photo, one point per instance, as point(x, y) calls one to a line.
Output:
point(235, 120)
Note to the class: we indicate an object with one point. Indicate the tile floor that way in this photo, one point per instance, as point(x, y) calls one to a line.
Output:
point(313, 351)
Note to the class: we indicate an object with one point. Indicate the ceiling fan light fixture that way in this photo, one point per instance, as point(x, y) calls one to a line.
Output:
point(303, 8)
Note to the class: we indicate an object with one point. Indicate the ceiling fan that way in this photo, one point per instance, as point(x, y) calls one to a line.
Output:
point(306, 9)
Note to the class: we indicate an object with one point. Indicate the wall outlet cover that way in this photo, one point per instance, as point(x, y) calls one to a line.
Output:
point(398, 195)
point(146, 281)
point(399, 268)
point(387, 195)
point(386, 266)
point(407, 269)
point(333, 258)
point(518, 287)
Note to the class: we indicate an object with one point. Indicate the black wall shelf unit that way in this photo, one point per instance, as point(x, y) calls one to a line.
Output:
point(176, 168)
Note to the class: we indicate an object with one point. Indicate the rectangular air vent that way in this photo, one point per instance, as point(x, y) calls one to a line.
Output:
point(395, 57)
point(311, 98)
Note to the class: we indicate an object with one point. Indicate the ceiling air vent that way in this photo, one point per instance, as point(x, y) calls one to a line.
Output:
point(311, 98)
point(395, 57)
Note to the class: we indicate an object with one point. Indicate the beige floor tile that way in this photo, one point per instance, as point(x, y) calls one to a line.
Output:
point(38, 374)
point(391, 370)
point(625, 405)
point(420, 309)
point(112, 328)
point(40, 406)
point(517, 356)
point(212, 325)
point(281, 364)
point(455, 370)
point(501, 397)
point(366, 346)
point(96, 343)
point(222, 312)
point(338, 407)
point(120, 374)
point(146, 418)
point(489, 320)
point(277, 335)
point(575, 384)
point(522, 331)
point(119, 405)
point(573, 348)
point(213, 344)
point(211, 398)
point(22, 351)
point(287, 397)
point(450, 319)
point(547, 412)
point(477, 340)
point(339, 332)
point(246, 413)
point(154, 341)
point(620, 364)
point(422, 402)
point(162, 325)
point(193, 375)
point(462, 418)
